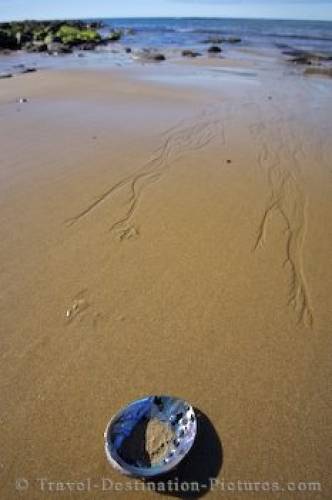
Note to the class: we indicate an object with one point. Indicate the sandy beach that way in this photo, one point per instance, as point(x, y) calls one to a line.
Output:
point(166, 230)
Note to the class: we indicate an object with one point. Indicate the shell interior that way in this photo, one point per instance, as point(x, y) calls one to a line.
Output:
point(150, 436)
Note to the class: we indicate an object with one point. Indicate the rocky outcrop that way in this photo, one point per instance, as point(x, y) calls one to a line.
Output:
point(38, 36)
point(72, 36)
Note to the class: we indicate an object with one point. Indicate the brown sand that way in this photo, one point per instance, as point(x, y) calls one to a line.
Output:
point(168, 239)
point(158, 439)
point(148, 443)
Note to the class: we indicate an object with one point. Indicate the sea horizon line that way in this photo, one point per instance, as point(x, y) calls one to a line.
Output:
point(191, 18)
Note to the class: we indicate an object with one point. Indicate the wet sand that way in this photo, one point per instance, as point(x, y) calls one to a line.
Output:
point(169, 239)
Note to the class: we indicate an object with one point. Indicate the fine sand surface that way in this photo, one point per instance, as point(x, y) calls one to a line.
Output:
point(165, 235)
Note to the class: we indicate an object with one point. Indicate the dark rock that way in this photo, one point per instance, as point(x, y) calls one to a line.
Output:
point(232, 39)
point(39, 36)
point(35, 47)
point(306, 57)
point(28, 70)
point(114, 35)
point(301, 60)
point(42, 47)
point(293, 52)
point(158, 57)
point(5, 75)
point(324, 57)
point(8, 40)
point(218, 40)
point(128, 50)
point(190, 53)
point(214, 49)
point(147, 55)
point(24, 37)
point(213, 39)
point(96, 25)
point(88, 46)
point(103, 41)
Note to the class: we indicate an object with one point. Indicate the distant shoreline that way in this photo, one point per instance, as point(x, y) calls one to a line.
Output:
point(272, 19)
point(107, 42)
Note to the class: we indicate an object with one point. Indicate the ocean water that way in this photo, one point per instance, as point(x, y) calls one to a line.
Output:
point(159, 33)
point(170, 35)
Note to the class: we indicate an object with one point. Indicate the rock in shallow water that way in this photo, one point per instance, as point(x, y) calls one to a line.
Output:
point(306, 57)
point(28, 70)
point(218, 40)
point(147, 55)
point(190, 53)
point(214, 49)
point(157, 57)
point(232, 39)
point(213, 39)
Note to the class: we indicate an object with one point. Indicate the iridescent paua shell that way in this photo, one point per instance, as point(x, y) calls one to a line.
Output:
point(128, 424)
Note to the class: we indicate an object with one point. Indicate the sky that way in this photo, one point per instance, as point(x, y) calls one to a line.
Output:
point(276, 9)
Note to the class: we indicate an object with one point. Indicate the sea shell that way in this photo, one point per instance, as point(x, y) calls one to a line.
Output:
point(150, 436)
